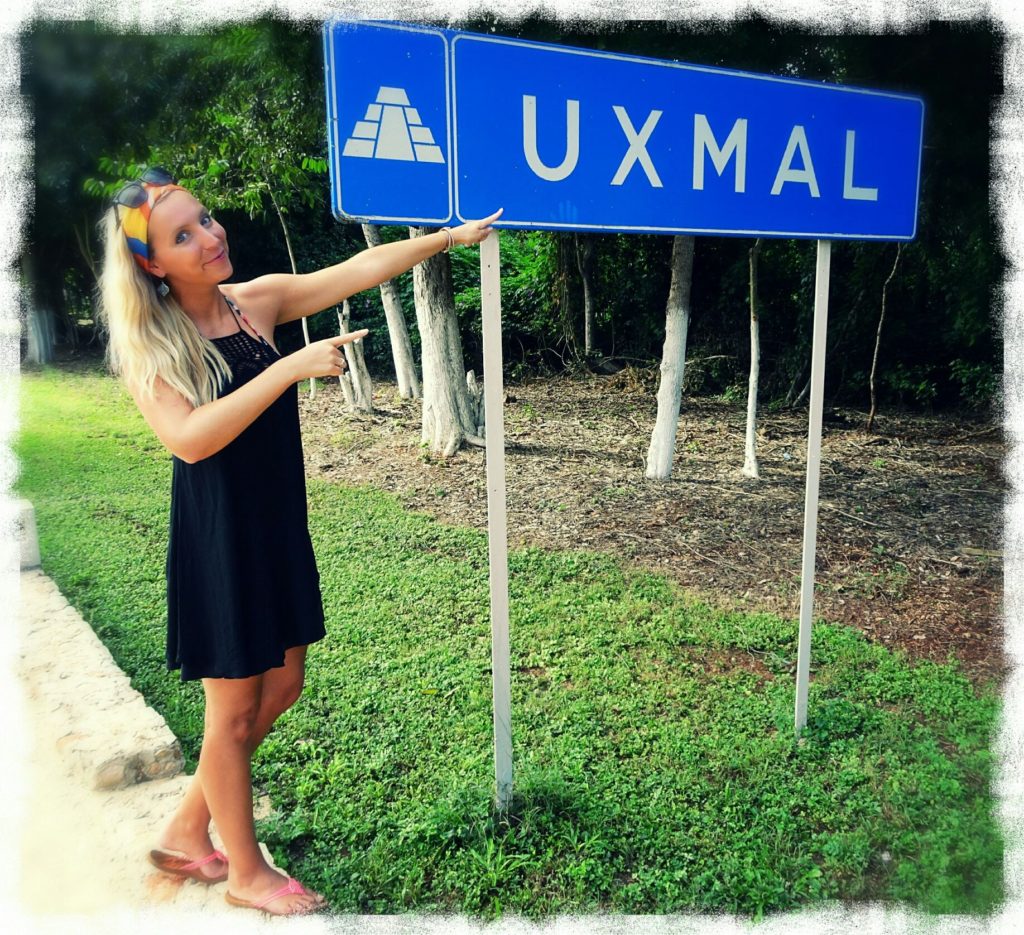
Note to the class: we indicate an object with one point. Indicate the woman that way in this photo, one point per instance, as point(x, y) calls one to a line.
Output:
point(199, 358)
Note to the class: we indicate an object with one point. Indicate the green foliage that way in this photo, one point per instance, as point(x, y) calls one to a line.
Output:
point(251, 144)
point(253, 152)
point(656, 770)
point(911, 383)
point(736, 393)
point(978, 382)
point(86, 95)
point(528, 315)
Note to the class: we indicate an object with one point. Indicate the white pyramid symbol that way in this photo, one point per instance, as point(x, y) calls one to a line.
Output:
point(391, 129)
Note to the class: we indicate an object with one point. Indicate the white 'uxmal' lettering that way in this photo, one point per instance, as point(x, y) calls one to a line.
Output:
point(704, 144)
point(735, 142)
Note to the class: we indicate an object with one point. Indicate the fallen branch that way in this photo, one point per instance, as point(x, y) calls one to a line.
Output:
point(708, 558)
point(985, 431)
point(859, 519)
point(944, 561)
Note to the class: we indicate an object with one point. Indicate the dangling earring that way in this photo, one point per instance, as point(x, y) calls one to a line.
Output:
point(163, 288)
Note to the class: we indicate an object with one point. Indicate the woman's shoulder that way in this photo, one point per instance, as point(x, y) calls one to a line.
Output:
point(254, 302)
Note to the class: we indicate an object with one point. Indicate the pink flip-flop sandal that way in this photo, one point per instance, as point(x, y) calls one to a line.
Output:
point(293, 886)
point(180, 866)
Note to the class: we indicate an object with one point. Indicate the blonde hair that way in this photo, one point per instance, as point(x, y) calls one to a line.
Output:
point(148, 335)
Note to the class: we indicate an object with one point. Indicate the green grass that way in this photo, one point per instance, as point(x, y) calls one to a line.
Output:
point(655, 764)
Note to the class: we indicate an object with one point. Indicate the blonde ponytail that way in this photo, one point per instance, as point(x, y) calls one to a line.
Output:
point(149, 336)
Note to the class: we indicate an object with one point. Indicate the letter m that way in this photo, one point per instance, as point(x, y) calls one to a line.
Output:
point(704, 139)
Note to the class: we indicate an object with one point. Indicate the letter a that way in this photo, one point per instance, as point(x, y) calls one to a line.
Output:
point(572, 140)
point(798, 138)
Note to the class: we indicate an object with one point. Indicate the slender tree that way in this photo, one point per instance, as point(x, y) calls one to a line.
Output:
point(878, 339)
point(585, 244)
point(673, 361)
point(355, 382)
point(401, 346)
point(750, 467)
point(239, 137)
point(40, 316)
point(255, 148)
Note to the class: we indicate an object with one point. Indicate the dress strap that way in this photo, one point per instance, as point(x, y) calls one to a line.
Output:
point(241, 315)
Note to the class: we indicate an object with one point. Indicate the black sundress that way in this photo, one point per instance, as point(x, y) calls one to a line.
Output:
point(242, 581)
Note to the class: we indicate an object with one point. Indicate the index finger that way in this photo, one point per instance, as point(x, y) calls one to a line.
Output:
point(492, 218)
point(350, 337)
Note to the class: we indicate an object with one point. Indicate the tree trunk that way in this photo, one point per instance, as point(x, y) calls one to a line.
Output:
point(401, 346)
point(451, 414)
point(566, 265)
point(750, 468)
point(585, 263)
point(70, 321)
point(295, 270)
point(790, 400)
point(800, 398)
point(39, 324)
point(355, 382)
point(673, 361)
point(85, 247)
point(40, 335)
point(878, 338)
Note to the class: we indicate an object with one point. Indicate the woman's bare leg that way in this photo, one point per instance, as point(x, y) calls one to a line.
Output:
point(189, 828)
point(232, 706)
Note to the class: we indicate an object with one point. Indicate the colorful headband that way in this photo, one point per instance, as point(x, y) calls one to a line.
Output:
point(136, 201)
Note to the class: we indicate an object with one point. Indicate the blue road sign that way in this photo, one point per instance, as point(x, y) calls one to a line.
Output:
point(571, 139)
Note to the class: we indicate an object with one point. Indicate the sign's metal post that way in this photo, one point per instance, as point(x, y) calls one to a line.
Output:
point(803, 661)
point(497, 536)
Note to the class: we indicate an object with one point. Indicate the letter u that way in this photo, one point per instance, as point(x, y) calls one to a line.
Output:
point(572, 140)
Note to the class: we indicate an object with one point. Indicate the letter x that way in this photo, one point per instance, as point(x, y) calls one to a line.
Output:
point(637, 146)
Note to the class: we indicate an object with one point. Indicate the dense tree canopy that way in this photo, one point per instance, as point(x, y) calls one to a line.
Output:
point(239, 115)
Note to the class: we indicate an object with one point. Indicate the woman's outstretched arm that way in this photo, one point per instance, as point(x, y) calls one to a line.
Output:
point(283, 297)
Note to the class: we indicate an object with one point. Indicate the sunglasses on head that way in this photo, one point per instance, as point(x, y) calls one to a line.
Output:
point(133, 194)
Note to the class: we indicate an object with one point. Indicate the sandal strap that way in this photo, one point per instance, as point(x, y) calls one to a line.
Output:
point(293, 886)
point(203, 861)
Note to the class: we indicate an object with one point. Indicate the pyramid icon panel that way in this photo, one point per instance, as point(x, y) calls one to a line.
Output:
point(392, 129)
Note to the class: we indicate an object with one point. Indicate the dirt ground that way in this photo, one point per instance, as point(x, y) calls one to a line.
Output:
point(910, 521)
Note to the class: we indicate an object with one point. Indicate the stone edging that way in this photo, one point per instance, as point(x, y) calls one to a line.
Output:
point(113, 738)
